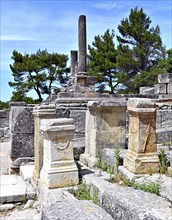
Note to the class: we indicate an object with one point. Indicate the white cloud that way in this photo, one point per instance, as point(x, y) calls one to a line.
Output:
point(106, 6)
point(16, 38)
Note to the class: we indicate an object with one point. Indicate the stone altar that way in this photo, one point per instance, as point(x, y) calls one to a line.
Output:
point(142, 156)
point(59, 168)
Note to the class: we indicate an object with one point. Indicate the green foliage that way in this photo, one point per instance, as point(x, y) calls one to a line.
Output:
point(146, 78)
point(163, 167)
point(84, 192)
point(166, 64)
point(140, 48)
point(38, 72)
point(152, 187)
point(102, 60)
point(4, 105)
point(117, 158)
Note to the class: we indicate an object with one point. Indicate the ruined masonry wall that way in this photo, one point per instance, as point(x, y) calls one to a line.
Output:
point(4, 125)
point(164, 122)
point(21, 130)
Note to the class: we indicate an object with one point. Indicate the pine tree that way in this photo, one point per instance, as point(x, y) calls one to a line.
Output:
point(140, 46)
point(102, 60)
point(39, 72)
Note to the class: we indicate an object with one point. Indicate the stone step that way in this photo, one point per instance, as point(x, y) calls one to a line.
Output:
point(14, 189)
point(123, 202)
point(26, 172)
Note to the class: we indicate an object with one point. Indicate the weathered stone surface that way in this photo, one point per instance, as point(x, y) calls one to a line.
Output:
point(14, 189)
point(105, 128)
point(29, 204)
point(23, 214)
point(4, 118)
point(22, 130)
point(21, 161)
point(165, 78)
point(74, 58)
point(21, 120)
point(81, 210)
point(26, 171)
point(4, 125)
point(82, 42)
point(40, 112)
point(127, 203)
point(108, 157)
point(169, 88)
point(146, 90)
point(22, 145)
point(160, 88)
point(59, 168)
point(6, 207)
point(164, 135)
point(142, 154)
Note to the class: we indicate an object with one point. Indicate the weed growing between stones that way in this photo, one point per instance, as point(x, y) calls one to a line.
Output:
point(84, 192)
point(163, 167)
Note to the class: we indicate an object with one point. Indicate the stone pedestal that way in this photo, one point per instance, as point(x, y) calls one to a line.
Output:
point(59, 168)
point(142, 154)
point(105, 128)
point(40, 112)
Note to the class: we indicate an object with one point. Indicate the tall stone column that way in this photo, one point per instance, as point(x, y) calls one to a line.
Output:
point(59, 168)
point(74, 58)
point(142, 156)
point(40, 112)
point(82, 42)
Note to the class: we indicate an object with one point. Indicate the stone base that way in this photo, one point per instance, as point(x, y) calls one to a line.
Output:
point(89, 160)
point(146, 163)
point(60, 177)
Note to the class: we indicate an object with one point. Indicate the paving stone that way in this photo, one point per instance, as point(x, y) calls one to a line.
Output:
point(27, 214)
point(15, 189)
point(127, 203)
point(29, 204)
point(6, 207)
point(26, 172)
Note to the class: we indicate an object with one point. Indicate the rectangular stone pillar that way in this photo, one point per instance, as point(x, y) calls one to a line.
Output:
point(142, 156)
point(105, 128)
point(59, 168)
point(40, 112)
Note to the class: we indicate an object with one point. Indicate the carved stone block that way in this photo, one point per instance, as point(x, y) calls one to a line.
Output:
point(142, 154)
point(59, 168)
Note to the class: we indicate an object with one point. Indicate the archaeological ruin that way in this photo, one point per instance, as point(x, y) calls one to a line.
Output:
point(80, 128)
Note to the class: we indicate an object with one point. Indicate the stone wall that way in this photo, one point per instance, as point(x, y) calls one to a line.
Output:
point(164, 121)
point(21, 130)
point(4, 125)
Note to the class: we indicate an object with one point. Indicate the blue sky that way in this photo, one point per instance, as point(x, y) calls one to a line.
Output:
point(29, 25)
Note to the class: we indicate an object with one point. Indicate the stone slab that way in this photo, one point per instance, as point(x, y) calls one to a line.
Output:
point(59, 204)
point(22, 145)
point(26, 172)
point(127, 203)
point(165, 78)
point(15, 189)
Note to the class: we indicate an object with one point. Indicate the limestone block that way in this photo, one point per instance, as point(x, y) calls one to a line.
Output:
point(59, 168)
point(146, 90)
point(40, 112)
point(165, 78)
point(105, 128)
point(160, 88)
point(142, 154)
point(22, 145)
point(21, 119)
point(169, 88)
